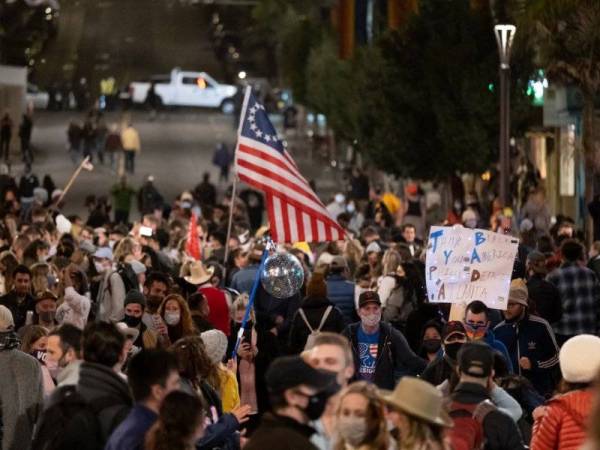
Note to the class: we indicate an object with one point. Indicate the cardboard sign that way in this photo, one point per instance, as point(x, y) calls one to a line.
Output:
point(466, 264)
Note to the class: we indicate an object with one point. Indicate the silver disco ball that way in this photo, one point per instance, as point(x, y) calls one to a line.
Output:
point(282, 275)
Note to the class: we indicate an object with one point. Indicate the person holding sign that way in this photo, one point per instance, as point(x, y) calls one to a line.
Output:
point(477, 326)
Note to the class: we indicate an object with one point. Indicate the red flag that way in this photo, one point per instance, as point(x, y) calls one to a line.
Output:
point(192, 246)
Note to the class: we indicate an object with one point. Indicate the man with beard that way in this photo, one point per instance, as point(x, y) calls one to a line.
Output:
point(156, 287)
point(19, 300)
point(64, 348)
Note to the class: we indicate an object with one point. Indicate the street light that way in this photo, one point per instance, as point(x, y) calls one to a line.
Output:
point(504, 38)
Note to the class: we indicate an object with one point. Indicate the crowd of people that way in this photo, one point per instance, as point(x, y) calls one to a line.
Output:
point(114, 336)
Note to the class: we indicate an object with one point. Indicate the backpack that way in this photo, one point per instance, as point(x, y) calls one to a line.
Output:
point(314, 333)
point(67, 415)
point(130, 281)
point(467, 432)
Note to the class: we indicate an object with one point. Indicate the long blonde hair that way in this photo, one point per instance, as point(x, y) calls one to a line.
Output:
point(378, 437)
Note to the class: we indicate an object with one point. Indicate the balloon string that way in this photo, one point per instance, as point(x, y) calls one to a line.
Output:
point(250, 301)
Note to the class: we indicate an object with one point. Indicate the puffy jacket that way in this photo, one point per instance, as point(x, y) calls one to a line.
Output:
point(563, 426)
point(531, 337)
point(394, 356)
point(314, 309)
point(340, 292)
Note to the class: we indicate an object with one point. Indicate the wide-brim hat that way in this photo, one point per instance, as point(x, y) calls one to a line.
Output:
point(198, 273)
point(420, 399)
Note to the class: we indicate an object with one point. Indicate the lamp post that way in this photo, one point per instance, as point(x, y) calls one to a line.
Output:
point(504, 38)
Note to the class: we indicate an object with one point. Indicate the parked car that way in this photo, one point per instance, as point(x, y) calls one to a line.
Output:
point(183, 88)
point(36, 97)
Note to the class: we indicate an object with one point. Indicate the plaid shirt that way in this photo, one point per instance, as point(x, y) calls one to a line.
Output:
point(580, 297)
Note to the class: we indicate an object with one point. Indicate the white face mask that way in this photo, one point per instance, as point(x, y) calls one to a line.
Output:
point(99, 267)
point(352, 429)
point(172, 318)
point(350, 208)
point(370, 320)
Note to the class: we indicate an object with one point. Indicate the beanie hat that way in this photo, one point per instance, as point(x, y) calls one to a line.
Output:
point(316, 286)
point(215, 343)
point(518, 292)
point(579, 358)
point(6, 319)
point(135, 296)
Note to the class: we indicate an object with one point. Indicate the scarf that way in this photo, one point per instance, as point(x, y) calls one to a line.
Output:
point(9, 340)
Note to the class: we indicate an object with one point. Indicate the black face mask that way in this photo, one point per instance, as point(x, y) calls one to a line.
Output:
point(432, 345)
point(154, 301)
point(452, 349)
point(316, 405)
point(132, 321)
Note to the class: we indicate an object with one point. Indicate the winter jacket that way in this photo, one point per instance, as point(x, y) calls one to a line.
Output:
point(98, 383)
point(531, 337)
point(563, 426)
point(281, 433)
point(314, 309)
point(18, 308)
point(498, 346)
point(340, 292)
point(546, 298)
point(394, 357)
point(21, 396)
point(500, 431)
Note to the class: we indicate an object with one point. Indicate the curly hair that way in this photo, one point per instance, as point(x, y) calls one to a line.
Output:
point(186, 326)
point(180, 415)
point(377, 436)
point(193, 362)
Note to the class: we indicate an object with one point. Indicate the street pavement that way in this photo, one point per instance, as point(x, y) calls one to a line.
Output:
point(126, 39)
point(177, 148)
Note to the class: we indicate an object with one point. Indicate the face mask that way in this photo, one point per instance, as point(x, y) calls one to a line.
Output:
point(40, 355)
point(52, 367)
point(111, 243)
point(154, 301)
point(47, 316)
point(99, 267)
point(452, 349)
point(350, 208)
point(370, 320)
point(172, 318)
point(432, 345)
point(131, 321)
point(352, 429)
point(475, 333)
point(316, 405)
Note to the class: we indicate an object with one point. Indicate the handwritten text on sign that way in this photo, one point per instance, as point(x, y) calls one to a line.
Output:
point(464, 265)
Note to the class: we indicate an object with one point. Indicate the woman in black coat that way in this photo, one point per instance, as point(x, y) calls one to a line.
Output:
point(313, 310)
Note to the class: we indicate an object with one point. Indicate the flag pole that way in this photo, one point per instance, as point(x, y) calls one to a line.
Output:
point(240, 334)
point(72, 179)
point(235, 179)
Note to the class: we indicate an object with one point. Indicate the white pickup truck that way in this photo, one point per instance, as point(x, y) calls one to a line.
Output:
point(185, 89)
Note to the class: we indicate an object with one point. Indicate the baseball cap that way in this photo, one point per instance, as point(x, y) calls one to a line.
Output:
point(288, 372)
point(453, 328)
point(536, 257)
point(103, 252)
point(368, 297)
point(338, 262)
point(476, 359)
point(45, 295)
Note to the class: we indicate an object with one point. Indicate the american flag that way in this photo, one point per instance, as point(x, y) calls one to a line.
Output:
point(295, 212)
